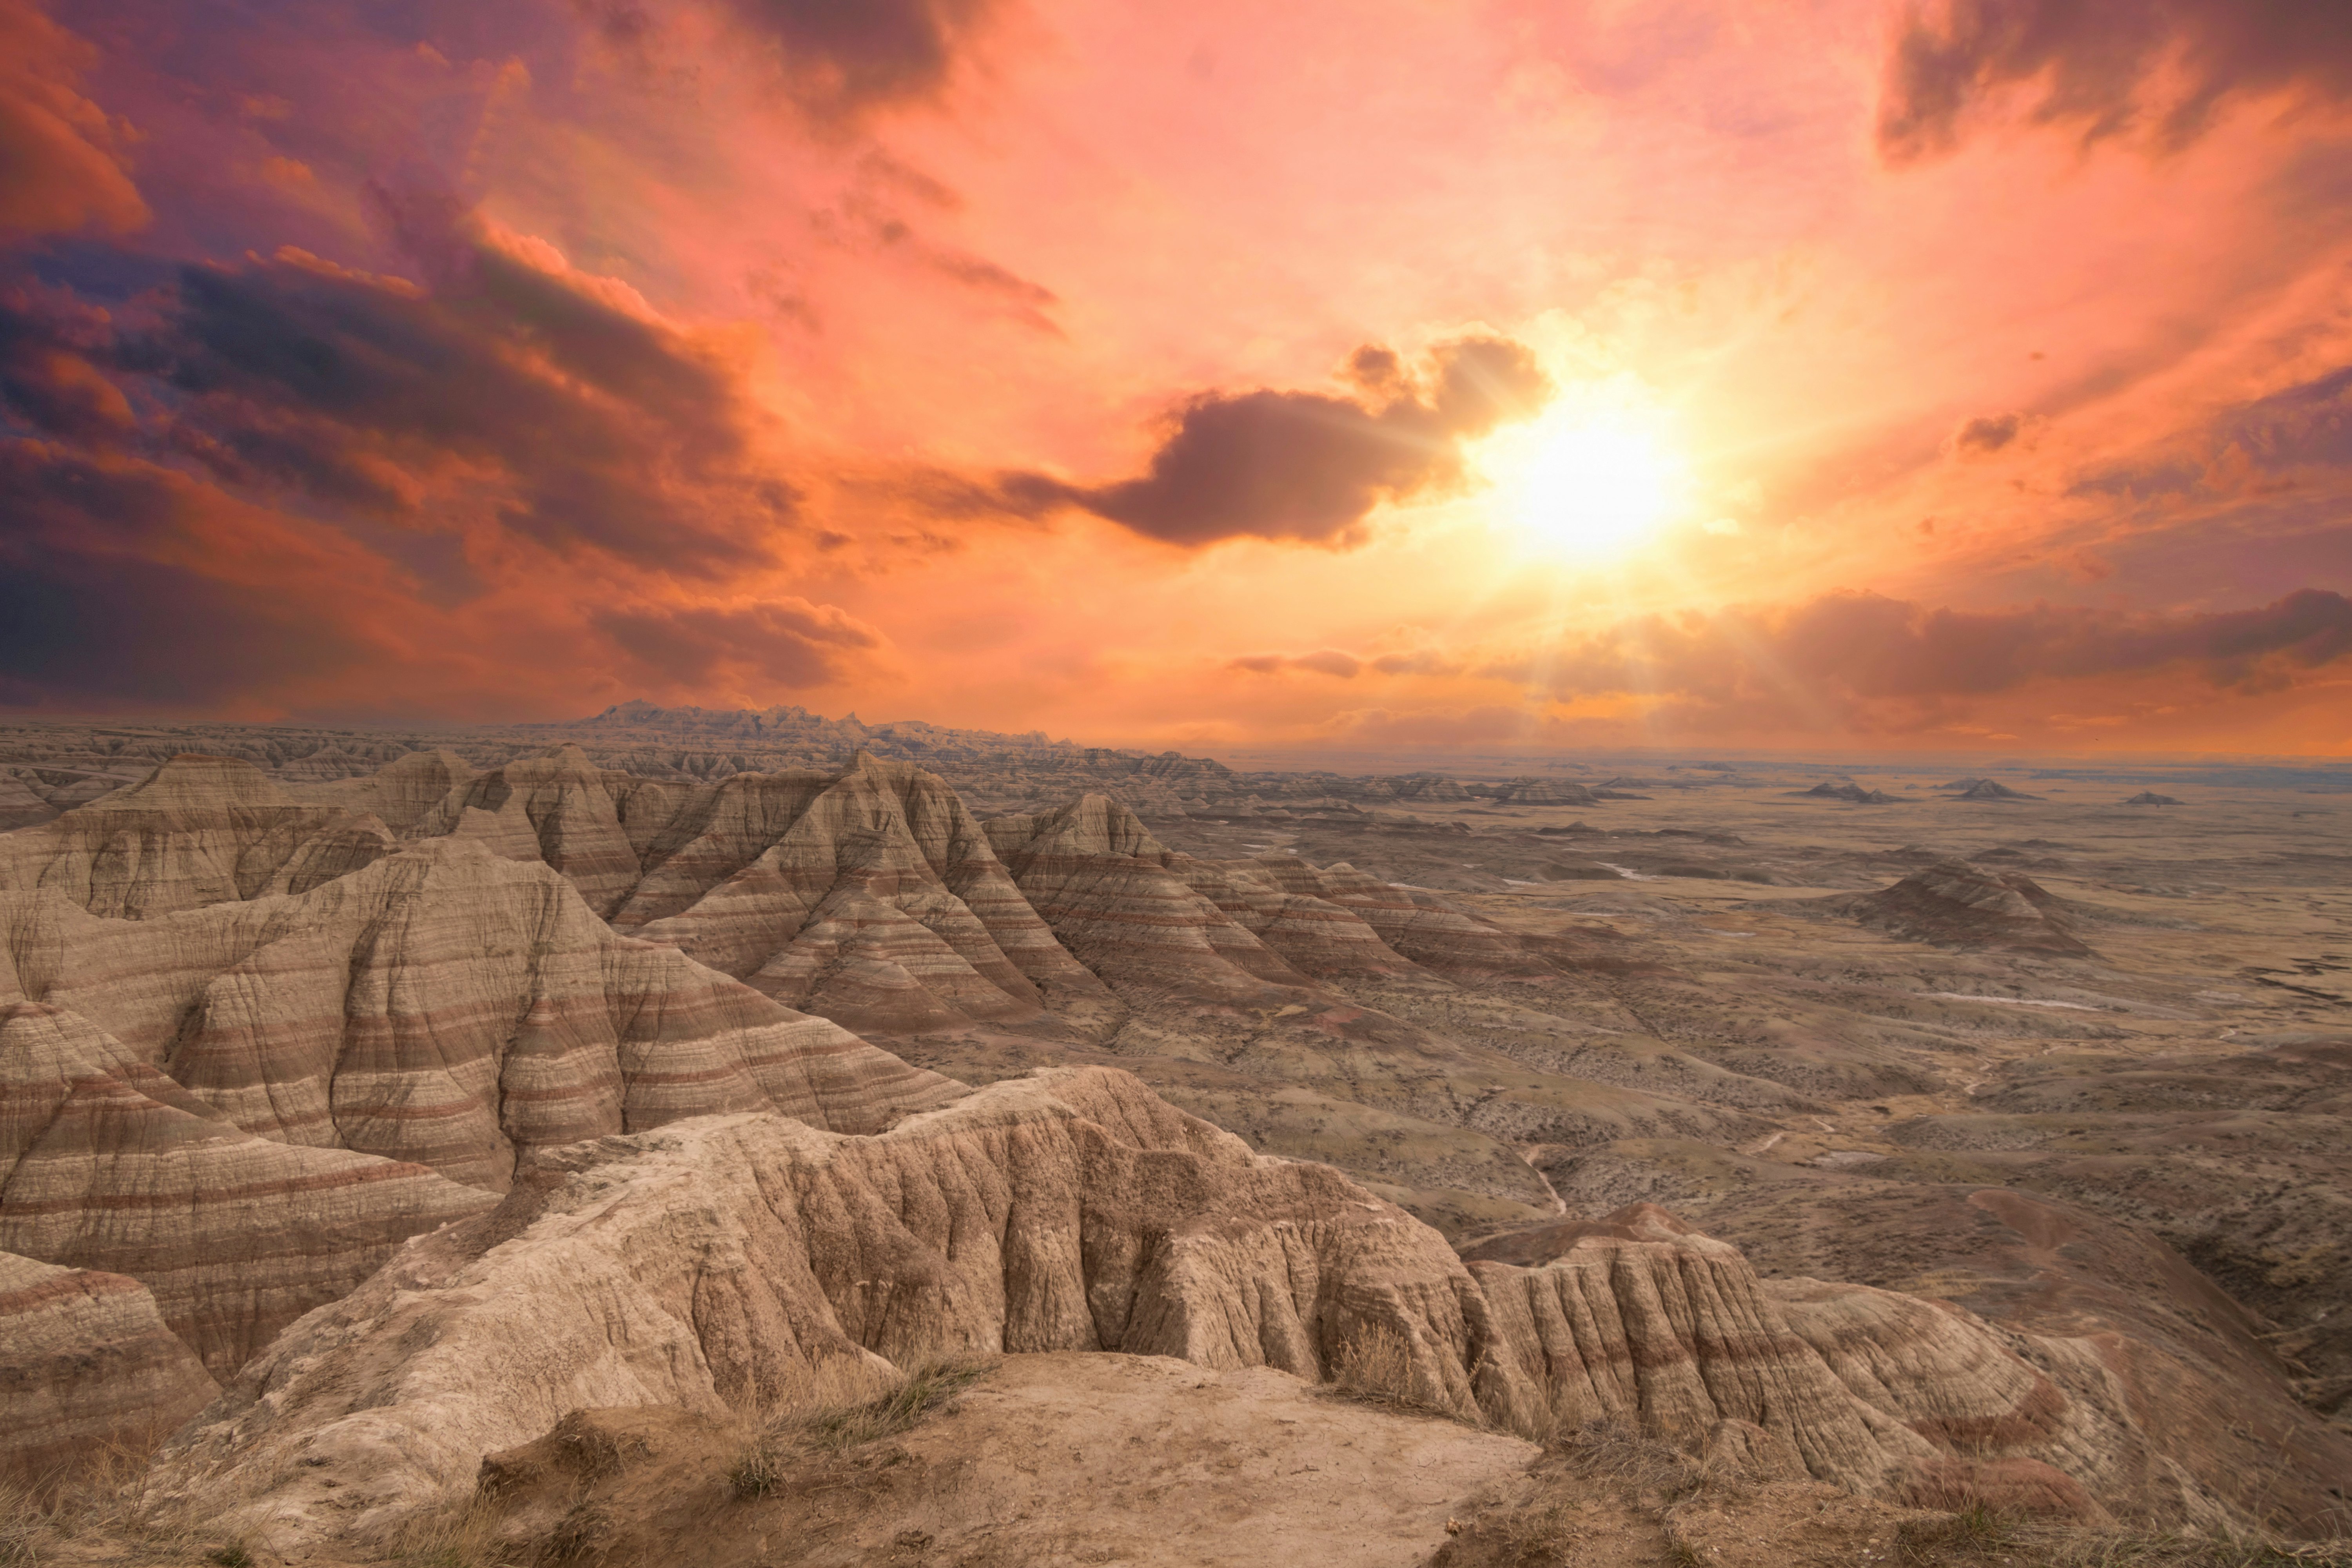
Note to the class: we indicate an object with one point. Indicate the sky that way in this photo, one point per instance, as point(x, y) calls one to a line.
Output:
point(1361, 374)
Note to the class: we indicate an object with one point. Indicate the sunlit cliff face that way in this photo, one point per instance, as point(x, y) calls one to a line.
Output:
point(1583, 373)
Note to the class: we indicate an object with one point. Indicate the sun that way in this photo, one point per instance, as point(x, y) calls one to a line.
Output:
point(1584, 479)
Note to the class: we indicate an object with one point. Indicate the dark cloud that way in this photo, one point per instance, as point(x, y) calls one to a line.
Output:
point(61, 168)
point(47, 378)
point(512, 395)
point(788, 643)
point(1988, 433)
point(1308, 464)
point(1851, 652)
point(842, 57)
point(2105, 64)
point(106, 597)
point(2305, 426)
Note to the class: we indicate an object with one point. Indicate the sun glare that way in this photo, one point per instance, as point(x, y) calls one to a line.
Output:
point(1584, 480)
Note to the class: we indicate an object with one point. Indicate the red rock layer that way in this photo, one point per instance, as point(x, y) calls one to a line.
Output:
point(445, 1006)
point(873, 897)
point(106, 1164)
point(553, 808)
point(85, 1360)
point(1112, 895)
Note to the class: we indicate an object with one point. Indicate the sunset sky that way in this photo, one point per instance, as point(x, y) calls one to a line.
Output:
point(1368, 374)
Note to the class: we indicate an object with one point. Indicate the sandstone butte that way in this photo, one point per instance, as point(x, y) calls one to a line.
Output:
point(414, 1111)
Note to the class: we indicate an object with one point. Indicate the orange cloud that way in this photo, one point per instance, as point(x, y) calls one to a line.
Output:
point(61, 150)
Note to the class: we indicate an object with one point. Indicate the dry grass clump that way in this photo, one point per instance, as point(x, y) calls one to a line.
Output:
point(460, 1532)
point(840, 1405)
point(21, 1526)
point(104, 1496)
point(1374, 1366)
point(1977, 1534)
point(1616, 1452)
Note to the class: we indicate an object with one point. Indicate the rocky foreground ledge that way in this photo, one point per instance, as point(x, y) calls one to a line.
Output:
point(695, 1267)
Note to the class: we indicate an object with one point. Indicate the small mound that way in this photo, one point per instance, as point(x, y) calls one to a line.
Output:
point(1955, 903)
point(1988, 789)
point(2149, 797)
point(1847, 791)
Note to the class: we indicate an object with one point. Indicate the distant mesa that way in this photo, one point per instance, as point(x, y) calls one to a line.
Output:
point(1956, 904)
point(2149, 797)
point(1579, 829)
point(1852, 792)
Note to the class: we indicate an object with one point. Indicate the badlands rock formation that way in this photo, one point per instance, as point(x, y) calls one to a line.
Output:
point(108, 1164)
point(246, 1103)
point(1853, 793)
point(591, 1062)
point(199, 830)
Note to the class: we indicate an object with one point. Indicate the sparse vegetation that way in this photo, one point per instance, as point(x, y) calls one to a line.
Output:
point(1975, 1530)
point(1615, 1451)
point(459, 1533)
point(104, 1495)
point(841, 1405)
point(1374, 1365)
point(21, 1525)
point(1978, 1536)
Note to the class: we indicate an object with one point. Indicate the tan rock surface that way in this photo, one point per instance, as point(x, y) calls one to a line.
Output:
point(702, 1264)
point(1672, 1032)
point(1049, 1458)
